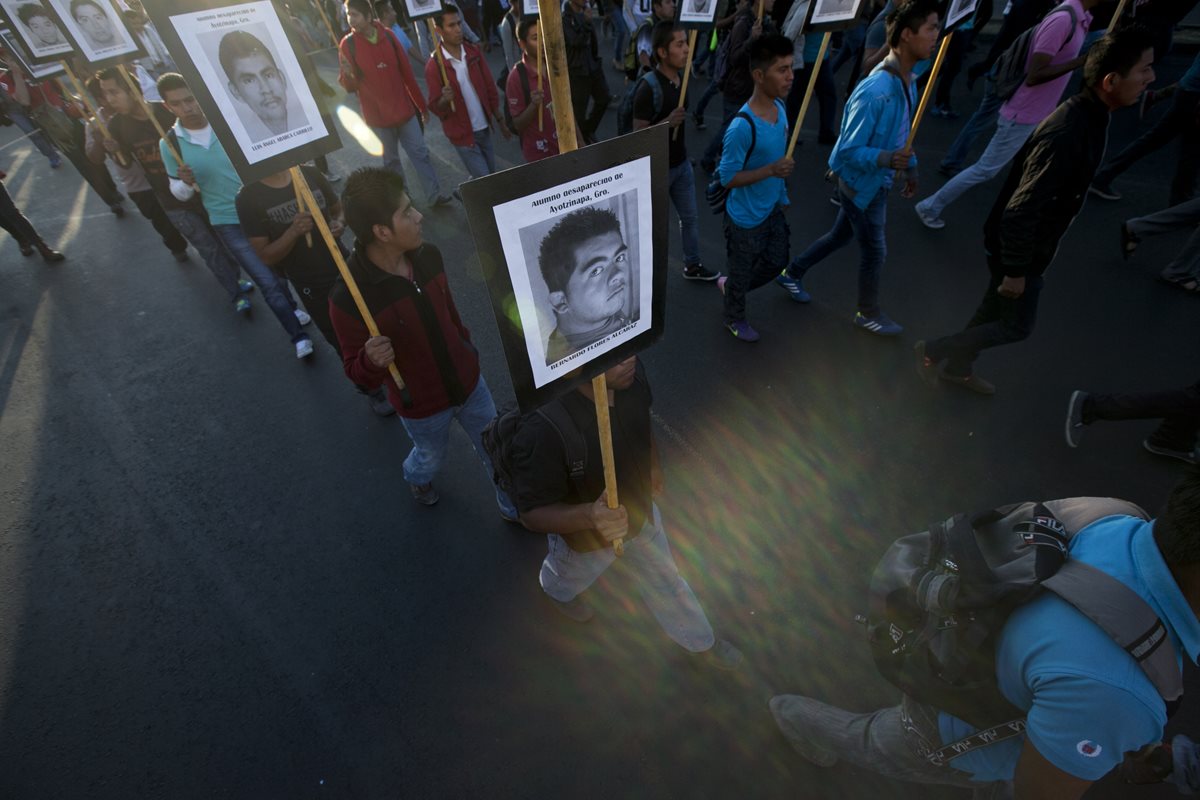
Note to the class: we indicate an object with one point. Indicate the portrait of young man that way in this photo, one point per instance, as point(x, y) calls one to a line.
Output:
point(94, 22)
point(256, 83)
point(44, 36)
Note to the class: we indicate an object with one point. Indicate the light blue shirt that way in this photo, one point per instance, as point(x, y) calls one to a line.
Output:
point(1088, 701)
point(875, 119)
point(749, 206)
point(218, 181)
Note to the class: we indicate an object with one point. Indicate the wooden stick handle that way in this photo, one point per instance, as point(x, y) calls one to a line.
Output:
point(761, 3)
point(343, 268)
point(808, 93)
point(550, 30)
point(687, 73)
point(95, 112)
point(604, 428)
point(542, 104)
point(136, 92)
point(300, 209)
point(437, 48)
point(325, 18)
point(928, 93)
point(1116, 18)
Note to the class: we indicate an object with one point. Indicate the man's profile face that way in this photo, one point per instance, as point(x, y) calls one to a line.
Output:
point(597, 288)
point(531, 41)
point(1126, 89)
point(665, 9)
point(258, 83)
point(358, 21)
point(95, 23)
point(45, 30)
point(405, 233)
point(182, 103)
point(116, 97)
point(451, 30)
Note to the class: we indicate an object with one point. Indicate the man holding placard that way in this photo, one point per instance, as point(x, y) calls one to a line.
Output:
point(526, 93)
point(870, 151)
point(584, 67)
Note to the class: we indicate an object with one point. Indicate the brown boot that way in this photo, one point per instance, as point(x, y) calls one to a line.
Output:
point(49, 254)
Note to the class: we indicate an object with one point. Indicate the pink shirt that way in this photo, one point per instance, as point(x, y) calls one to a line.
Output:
point(1032, 104)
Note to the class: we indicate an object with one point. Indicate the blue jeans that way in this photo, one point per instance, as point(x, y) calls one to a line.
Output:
point(201, 236)
point(412, 139)
point(620, 33)
point(429, 435)
point(40, 140)
point(479, 158)
point(682, 187)
point(274, 288)
point(708, 95)
point(865, 225)
point(983, 118)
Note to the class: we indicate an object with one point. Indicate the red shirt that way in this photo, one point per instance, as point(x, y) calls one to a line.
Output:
point(457, 123)
point(535, 144)
point(387, 88)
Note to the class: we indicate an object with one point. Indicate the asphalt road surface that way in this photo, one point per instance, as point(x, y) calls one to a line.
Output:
point(214, 582)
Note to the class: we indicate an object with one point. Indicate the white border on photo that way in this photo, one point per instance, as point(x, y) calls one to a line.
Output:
point(25, 36)
point(627, 184)
point(688, 12)
point(201, 32)
point(35, 71)
point(833, 11)
point(123, 43)
point(419, 9)
point(959, 11)
point(530, 8)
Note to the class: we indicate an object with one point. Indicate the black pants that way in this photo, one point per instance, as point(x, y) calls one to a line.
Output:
point(13, 221)
point(998, 321)
point(316, 303)
point(755, 256)
point(1179, 121)
point(956, 53)
point(826, 94)
point(152, 210)
point(96, 175)
point(591, 86)
point(1179, 410)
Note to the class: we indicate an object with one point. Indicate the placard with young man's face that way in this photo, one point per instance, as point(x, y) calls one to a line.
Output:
point(99, 31)
point(573, 249)
point(37, 26)
point(242, 67)
point(37, 72)
point(830, 15)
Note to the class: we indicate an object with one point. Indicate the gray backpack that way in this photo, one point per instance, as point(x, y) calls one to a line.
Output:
point(939, 600)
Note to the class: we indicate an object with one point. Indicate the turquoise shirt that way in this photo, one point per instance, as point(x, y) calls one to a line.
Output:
point(218, 180)
point(1088, 701)
point(749, 206)
point(876, 119)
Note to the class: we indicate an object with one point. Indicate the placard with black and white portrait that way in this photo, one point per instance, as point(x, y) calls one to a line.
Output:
point(35, 71)
point(958, 12)
point(697, 12)
point(37, 26)
point(98, 31)
point(833, 14)
point(575, 267)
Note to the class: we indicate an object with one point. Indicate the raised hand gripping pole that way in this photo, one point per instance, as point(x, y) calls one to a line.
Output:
point(300, 210)
point(687, 73)
point(136, 92)
point(551, 30)
point(808, 93)
point(437, 48)
point(91, 107)
point(323, 226)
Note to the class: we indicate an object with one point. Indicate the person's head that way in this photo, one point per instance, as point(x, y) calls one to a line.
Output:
point(386, 12)
point(578, 5)
point(378, 209)
point(669, 43)
point(585, 264)
point(449, 25)
point(771, 64)
point(37, 19)
point(178, 98)
point(1177, 528)
point(358, 14)
point(1119, 66)
point(913, 27)
point(253, 77)
point(663, 9)
point(135, 21)
point(91, 18)
point(115, 91)
point(529, 35)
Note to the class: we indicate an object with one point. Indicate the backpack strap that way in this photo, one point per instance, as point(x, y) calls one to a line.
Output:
point(753, 136)
point(978, 739)
point(572, 439)
point(1126, 617)
point(523, 74)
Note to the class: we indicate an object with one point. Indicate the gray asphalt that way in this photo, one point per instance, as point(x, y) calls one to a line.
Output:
point(213, 582)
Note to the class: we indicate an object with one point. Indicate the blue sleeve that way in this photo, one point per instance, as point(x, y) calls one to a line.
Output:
point(733, 152)
point(862, 115)
point(405, 42)
point(1084, 726)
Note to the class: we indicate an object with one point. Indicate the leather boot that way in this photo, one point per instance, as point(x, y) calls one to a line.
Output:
point(49, 254)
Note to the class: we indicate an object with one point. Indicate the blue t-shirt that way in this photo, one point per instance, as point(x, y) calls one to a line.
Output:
point(1088, 701)
point(749, 206)
point(1190, 82)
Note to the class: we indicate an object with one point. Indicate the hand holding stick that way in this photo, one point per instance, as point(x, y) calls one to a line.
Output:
point(437, 48)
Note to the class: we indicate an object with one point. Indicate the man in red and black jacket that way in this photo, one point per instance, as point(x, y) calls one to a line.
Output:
point(467, 102)
point(373, 64)
point(405, 287)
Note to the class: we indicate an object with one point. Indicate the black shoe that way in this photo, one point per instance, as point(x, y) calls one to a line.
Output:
point(949, 172)
point(1170, 451)
point(424, 494)
point(972, 383)
point(576, 609)
point(697, 272)
point(49, 254)
point(927, 368)
point(1075, 423)
point(117, 209)
point(380, 405)
point(26, 248)
point(1129, 242)
point(180, 255)
point(700, 123)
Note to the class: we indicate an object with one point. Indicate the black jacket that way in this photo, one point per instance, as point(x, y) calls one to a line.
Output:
point(1046, 187)
point(739, 85)
point(579, 38)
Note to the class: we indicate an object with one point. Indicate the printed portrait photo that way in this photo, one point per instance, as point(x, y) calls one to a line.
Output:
point(834, 11)
point(97, 28)
point(12, 44)
point(530, 8)
point(36, 25)
point(959, 11)
point(422, 8)
point(266, 105)
point(700, 12)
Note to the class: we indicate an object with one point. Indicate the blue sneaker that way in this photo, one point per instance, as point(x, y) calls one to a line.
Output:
point(245, 286)
point(794, 287)
point(742, 330)
point(880, 324)
point(242, 305)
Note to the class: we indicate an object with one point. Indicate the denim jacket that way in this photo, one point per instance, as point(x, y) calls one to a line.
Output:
point(876, 117)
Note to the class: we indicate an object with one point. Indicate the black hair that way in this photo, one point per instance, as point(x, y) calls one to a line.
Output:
point(447, 8)
point(1118, 52)
point(114, 74)
point(660, 37)
point(524, 26)
point(908, 15)
point(28, 11)
point(654, 3)
point(384, 4)
point(169, 82)
point(371, 197)
point(75, 5)
point(361, 6)
point(239, 44)
point(556, 257)
point(1177, 529)
point(768, 47)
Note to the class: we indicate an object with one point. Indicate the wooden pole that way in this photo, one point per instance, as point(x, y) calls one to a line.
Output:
point(323, 226)
point(551, 29)
point(300, 208)
point(541, 105)
point(136, 92)
point(928, 93)
point(325, 19)
point(687, 73)
point(437, 48)
point(808, 93)
point(1116, 18)
point(761, 5)
point(91, 107)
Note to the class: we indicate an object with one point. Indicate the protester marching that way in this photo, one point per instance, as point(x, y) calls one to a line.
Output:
point(1036, 647)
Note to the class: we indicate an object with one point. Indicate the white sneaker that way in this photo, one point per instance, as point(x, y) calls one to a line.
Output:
point(302, 317)
point(304, 348)
point(927, 217)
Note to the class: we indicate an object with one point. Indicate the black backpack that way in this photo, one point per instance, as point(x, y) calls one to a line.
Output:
point(939, 600)
point(715, 194)
point(1012, 67)
point(499, 434)
point(522, 71)
point(625, 109)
